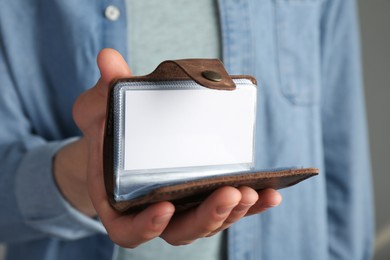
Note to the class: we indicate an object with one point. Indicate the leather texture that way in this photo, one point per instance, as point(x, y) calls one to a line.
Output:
point(189, 194)
point(191, 69)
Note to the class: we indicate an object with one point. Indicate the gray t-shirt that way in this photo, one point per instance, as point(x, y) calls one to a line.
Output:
point(172, 29)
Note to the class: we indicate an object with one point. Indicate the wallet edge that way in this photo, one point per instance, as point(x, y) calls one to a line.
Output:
point(188, 194)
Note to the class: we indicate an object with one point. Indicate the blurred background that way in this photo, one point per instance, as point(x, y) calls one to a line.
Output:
point(375, 32)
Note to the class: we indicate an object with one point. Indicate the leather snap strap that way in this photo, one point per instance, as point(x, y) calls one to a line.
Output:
point(209, 73)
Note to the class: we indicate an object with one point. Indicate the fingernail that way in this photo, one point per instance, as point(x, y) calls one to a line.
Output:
point(163, 219)
point(224, 210)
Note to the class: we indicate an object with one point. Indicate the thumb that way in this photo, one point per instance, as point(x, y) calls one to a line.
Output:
point(89, 109)
point(112, 65)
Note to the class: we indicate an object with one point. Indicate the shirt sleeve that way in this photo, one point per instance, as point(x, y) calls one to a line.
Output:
point(347, 160)
point(31, 206)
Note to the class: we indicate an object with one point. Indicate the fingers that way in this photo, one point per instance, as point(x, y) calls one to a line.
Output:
point(248, 199)
point(221, 209)
point(251, 203)
point(132, 230)
point(206, 218)
point(268, 198)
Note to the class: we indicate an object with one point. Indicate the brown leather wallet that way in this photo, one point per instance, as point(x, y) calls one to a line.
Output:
point(208, 73)
point(189, 194)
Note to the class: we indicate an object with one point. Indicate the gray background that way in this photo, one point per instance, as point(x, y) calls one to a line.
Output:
point(375, 26)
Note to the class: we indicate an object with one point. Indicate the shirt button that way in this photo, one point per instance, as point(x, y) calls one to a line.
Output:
point(112, 13)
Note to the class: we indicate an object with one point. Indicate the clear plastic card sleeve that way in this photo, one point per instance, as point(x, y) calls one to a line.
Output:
point(175, 131)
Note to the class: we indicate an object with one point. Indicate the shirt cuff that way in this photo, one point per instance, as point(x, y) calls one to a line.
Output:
point(41, 203)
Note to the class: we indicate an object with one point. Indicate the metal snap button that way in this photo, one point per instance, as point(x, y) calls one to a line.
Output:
point(112, 13)
point(212, 75)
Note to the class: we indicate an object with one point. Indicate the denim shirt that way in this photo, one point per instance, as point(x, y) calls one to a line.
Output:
point(305, 56)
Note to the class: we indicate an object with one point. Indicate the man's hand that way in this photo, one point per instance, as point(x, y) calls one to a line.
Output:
point(221, 209)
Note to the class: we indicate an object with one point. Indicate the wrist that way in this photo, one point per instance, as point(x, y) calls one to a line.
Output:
point(70, 174)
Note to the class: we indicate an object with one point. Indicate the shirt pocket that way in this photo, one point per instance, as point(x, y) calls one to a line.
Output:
point(298, 44)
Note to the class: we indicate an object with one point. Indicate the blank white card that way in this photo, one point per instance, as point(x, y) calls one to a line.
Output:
point(188, 127)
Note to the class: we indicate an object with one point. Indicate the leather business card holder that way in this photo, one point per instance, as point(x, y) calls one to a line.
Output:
point(181, 132)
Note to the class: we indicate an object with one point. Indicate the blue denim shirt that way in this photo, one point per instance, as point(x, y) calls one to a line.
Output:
point(305, 55)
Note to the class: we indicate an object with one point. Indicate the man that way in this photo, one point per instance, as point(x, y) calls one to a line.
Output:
point(310, 112)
